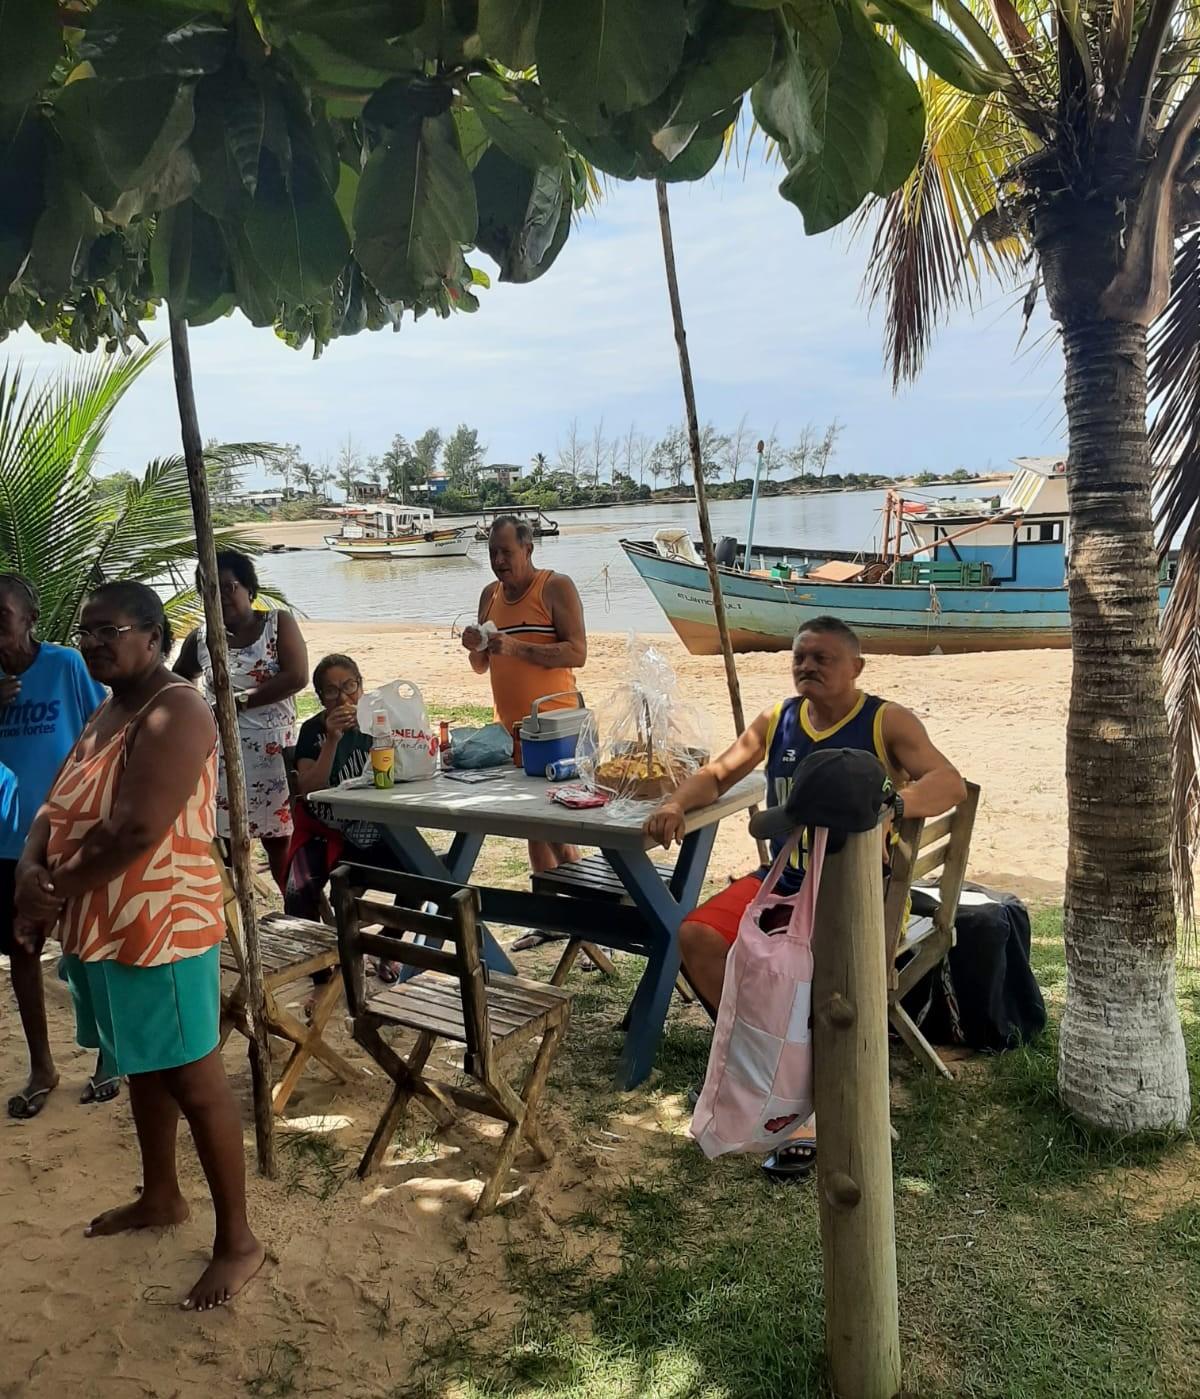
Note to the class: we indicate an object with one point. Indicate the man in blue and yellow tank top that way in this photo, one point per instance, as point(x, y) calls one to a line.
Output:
point(829, 710)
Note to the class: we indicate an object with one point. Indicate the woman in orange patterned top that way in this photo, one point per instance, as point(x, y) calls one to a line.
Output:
point(119, 863)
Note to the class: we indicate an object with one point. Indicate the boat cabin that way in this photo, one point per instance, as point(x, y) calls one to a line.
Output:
point(539, 523)
point(1020, 538)
point(385, 520)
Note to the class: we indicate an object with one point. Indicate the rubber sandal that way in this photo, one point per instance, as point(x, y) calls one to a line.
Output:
point(24, 1106)
point(791, 1162)
point(387, 972)
point(102, 1090)
point(535, 938)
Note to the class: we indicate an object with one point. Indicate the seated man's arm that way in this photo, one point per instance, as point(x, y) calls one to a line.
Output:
point(934, 784)
point(711, 782)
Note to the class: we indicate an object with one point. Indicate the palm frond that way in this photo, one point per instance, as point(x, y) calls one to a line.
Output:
point(63, 533)
point(1174, 391)
point(923, 260)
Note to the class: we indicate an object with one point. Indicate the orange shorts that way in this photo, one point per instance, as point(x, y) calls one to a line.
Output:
point(723, 912)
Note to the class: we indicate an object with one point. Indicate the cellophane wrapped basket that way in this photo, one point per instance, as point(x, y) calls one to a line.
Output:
point(643, 739)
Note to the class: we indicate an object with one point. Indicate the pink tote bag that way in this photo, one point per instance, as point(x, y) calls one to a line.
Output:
point(758, 1087)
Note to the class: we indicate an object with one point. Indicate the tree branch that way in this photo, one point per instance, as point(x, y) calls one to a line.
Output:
point(1140, 289)
point(1139, 81)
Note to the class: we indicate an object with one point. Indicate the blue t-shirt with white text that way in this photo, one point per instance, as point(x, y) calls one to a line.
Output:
point(37, 731)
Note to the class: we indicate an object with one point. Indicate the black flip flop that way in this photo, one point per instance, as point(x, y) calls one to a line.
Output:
point(102, 1090)
point(791, 1162)
point(387, 972)
point(24, 1106)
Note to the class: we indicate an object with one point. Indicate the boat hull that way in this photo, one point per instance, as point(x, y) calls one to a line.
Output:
point(890, 619)
point(451, 545)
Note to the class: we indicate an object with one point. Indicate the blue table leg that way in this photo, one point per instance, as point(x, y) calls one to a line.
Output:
point(663, 911)
point(417, 856)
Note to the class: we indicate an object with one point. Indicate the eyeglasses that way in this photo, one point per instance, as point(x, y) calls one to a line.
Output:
point(346, 690)
point(105, 635)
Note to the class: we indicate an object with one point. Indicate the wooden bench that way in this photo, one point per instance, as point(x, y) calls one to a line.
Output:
point(293, 949)
point(594, 878)
point(923, 849)
point(452, 997)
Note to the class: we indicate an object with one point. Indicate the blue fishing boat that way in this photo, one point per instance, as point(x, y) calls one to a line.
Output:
point(952, 575)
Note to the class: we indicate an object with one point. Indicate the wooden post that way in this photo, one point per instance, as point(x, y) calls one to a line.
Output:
point(693, 427)
point(854, 1157)
point(218, 648)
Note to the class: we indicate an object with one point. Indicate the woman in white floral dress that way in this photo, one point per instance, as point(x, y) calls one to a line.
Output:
point(268, 665)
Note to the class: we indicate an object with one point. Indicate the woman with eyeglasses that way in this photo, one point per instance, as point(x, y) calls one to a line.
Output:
point(268, 666)
point(119, 867)
point(46, 697)
point(331, 747)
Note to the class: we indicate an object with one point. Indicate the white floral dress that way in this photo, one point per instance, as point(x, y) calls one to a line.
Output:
point(266, 731)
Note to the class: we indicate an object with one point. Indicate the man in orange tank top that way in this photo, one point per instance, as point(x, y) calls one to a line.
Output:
point(538, 641)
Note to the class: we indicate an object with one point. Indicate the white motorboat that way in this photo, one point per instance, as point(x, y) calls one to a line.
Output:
point(386, 530)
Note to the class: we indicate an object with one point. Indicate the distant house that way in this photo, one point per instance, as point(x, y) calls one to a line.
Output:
point(503, 473)
point(435, 483)
point(365, 492)
point(262, 500)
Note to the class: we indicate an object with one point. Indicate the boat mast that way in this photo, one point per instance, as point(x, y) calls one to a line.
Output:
point(753, 506)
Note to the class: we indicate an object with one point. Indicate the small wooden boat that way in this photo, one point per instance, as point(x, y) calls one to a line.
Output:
point(542, 527)
point(389, 531)
point(990, 577)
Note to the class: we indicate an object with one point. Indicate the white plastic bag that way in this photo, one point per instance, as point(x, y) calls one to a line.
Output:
point(416, 743)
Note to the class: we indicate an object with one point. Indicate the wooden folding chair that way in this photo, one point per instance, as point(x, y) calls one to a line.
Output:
point(452, 997)
point(293, 949)
point(924, 848)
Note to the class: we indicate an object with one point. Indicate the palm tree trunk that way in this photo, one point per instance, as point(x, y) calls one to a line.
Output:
point(1121, 1057)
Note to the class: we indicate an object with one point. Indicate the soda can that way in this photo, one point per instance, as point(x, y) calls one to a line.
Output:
point(562, 771)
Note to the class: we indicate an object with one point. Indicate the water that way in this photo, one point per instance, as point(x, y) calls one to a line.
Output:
point(327, 587)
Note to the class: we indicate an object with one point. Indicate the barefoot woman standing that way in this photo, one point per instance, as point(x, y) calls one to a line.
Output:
point(119, 860)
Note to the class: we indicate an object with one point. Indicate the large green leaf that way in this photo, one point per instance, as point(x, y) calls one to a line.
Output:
point(732, 53)
point(850, 120)
point(227, 140)
point(942, 51)
point(190, 262)
point(122, 134)
point(695, 161)
point(511, 125)
point(135, 38)
point(905, 114)
point(30, 40)
point(64, 231)
point(783, 103)
point(508, 30)
point(22, 190)
point(521, 213)
point(294, 230)
point(599, 58)
point(414, 211)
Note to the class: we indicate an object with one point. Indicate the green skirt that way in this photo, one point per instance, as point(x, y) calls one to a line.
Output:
point(147, 1018)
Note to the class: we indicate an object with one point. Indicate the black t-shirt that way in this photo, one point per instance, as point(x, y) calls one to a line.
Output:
point(352, 757)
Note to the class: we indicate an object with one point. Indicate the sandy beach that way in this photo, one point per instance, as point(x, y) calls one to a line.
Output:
point(365, 1282)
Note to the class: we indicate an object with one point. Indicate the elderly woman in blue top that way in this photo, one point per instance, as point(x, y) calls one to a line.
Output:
point(46, 698)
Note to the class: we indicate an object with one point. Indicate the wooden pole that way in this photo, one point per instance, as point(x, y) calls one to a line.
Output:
point(227, 724)
point(693, 427)
point(854, 1158)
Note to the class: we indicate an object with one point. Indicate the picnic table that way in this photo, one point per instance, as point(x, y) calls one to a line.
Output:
point(513, 804)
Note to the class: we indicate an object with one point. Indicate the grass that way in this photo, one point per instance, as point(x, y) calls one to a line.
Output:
point(474, 715)
point(1036, 1258)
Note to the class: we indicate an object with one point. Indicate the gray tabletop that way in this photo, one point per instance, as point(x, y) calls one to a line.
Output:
point(517, 805)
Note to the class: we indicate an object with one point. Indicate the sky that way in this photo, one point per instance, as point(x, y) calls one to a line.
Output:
point(777, 331)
